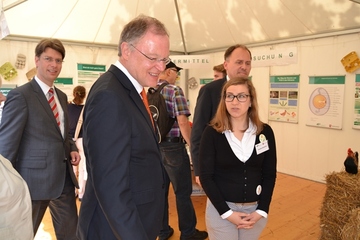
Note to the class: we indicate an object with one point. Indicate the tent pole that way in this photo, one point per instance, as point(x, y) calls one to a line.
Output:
point(180, 25)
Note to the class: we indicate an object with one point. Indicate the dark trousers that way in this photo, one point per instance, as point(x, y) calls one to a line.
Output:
point(63, 212)
point(177, 165)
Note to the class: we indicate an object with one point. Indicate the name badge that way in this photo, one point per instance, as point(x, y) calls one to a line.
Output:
point(262, 147)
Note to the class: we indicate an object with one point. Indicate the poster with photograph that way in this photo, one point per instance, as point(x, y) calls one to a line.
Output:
point(284, 98)
point(326, 101)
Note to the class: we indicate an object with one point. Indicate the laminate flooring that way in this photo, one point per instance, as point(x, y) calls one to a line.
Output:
point(294, 211)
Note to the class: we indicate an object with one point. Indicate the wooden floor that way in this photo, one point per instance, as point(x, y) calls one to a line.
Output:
point(294, 212)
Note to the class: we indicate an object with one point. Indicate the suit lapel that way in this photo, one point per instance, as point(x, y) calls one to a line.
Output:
point(134, 95)
point(44, 103)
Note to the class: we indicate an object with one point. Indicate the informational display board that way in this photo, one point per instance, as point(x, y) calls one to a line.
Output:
point(89, 73)
point(284, 102)
point(5, 89)
point(356, 122)
point(204, 81)
point(326, 101)
point(66, 85)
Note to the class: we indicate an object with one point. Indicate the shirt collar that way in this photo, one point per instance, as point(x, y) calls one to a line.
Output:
point(134, 82)
point(44, 87)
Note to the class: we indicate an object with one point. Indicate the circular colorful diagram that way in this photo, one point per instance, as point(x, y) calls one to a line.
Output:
point(319, 101)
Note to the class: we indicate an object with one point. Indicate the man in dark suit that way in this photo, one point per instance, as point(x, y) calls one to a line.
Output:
point(38, 145)
point(237, 63)
point(124, 197)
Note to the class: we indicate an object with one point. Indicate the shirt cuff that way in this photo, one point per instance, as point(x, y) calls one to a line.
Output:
point(227, 214)
point(262, 213)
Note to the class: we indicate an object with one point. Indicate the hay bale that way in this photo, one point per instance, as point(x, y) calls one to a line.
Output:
point(351, 230)
point(341, 197)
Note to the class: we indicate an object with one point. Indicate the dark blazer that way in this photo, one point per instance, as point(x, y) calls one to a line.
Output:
point(31, 139)
point(205, 109)
point(124, 197)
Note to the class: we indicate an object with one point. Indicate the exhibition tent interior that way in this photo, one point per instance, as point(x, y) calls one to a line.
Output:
point(195, 26)
point(322, 32)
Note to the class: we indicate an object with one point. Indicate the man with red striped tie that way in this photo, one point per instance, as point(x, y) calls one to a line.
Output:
point(34, 137)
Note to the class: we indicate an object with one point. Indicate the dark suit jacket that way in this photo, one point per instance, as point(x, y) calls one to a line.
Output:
point(124, 197)
point(205, 109)
point(31, 139)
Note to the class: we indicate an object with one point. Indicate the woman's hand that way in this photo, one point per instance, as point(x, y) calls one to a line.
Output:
point(241, 220)
point(252, 217)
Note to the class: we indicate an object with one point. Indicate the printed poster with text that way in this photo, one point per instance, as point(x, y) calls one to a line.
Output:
point(89, 73)
point(284, 101)
point(357, 103)
point(326, 101)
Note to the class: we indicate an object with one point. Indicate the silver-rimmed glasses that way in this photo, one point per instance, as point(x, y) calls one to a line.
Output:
point(163, 60)
point(50, 60)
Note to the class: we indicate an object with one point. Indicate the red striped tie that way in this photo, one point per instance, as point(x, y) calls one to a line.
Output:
point(52, 103)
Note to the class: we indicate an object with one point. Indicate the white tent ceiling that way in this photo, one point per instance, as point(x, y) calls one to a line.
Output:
point(195, 26)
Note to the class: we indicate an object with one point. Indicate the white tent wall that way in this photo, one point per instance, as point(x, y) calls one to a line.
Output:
point(303, 151)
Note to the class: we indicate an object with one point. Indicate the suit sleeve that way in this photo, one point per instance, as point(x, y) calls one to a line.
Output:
point(13, 121)
point(202, 116)
point(268, 171)
point(207, 158)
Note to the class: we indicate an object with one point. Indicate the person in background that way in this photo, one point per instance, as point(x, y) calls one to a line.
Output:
point(237, 64)
point(176, 159)
point(74, 108)
point(124, 197)
point(34, 137)
point(15, 204)
point(237, 165)
point(219, 72)
point(2, 99)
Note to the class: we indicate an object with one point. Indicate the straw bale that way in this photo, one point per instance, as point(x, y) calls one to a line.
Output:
point(351, 230)
point(341, 197)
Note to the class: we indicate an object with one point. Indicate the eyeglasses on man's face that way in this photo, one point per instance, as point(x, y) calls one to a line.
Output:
point(153, 60)
point(175, 70)
point(50, 60)
point(240, 97)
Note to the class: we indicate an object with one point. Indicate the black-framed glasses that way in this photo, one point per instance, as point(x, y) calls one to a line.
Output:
point(239, 97)
point(163, 60)
point(175, 70)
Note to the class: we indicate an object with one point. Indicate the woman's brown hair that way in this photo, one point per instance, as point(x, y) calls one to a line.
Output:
point(79, 94)
point(222, 119)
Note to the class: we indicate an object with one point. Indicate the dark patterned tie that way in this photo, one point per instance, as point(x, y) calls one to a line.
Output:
point(52, 103)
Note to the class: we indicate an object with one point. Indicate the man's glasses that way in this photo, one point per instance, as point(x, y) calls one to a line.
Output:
point(163, 60)
point(175, 70)
point(240, 97)
point(50, 60)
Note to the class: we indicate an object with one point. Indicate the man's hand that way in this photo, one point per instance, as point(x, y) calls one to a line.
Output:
point(197, 180)
point(75, 158)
